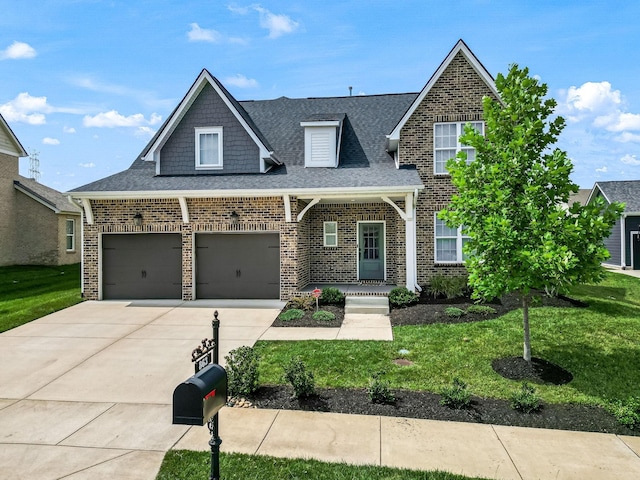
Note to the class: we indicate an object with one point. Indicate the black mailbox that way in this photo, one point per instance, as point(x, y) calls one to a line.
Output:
point(200, 397)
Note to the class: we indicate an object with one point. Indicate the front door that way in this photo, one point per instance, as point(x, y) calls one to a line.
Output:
point(371, 251)
point(635, 250)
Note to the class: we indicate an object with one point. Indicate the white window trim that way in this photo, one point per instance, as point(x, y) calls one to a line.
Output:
point(459, 237)
point(207, 130)
point(72, 235)
point(459, 146)
point(325, 234)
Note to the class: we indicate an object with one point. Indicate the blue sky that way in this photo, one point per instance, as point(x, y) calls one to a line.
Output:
point(85, 83)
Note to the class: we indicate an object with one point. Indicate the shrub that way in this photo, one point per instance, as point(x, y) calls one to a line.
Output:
point(456, 396)
point(301, 379)
point(302, 303)
point(323, 316)
point(481, 309)
point(379, 390)
point(525, 400)
point(242, 371)
point(627, 413)
point(291, 314)
point(450, 287)
point(454, 312)
point(331, 296)
point(402, 297)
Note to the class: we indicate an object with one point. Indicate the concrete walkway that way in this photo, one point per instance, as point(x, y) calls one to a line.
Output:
point(85, 393)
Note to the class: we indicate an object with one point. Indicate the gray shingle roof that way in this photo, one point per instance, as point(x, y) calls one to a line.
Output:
point(626, 191)
point(364, 161)
point(46, 195)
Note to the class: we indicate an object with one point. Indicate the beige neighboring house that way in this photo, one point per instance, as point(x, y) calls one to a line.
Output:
point(38, 225)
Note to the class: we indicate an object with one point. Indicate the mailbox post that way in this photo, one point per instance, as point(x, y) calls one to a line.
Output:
point(199, 398)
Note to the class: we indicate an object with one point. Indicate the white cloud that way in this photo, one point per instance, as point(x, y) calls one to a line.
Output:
point(277, 24)
point(69, 130)
point(630, 160)
point(198, 34)
point(50, 141)
point(87, 165)
point(596, 98)
point(17, 51)
point(626, 137)
point(26, 109)
point(241, 81)
point(113, 119)
point(604, 169)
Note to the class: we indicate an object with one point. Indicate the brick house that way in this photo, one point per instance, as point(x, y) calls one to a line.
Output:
point(38, 225)
point(260, 199)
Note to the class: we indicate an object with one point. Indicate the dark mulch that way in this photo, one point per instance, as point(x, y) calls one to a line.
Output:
point(426, 405)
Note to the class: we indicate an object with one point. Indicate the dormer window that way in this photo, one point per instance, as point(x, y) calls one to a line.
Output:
point(208, 148)
point(322, 142)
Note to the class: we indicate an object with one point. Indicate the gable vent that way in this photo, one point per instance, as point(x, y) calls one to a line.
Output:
point(322, 142)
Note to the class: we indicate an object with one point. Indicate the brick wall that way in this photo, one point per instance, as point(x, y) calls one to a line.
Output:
point(8, 173)
point(455, 97)
point(36, 228)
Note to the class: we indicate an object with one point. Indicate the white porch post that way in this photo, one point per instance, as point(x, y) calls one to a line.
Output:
point(410, 242)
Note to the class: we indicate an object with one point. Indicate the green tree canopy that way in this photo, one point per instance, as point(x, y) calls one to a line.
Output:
point(513, 201)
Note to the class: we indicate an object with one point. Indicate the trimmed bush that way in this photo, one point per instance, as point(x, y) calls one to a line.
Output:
point(379, 391)
point(302, 303)
point(525, 400)
point(481, 309)
point(291, 314)
point(450, 287)
point(400, 297)
point(331, 296)
point(627, 413)
point(454, 312)
point(456, 396)
point(301, 379)
point(323, 316)
point(242, 371)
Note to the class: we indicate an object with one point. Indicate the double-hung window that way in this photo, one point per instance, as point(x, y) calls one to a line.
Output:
point(208, 148)
point(447, 144)
point(71, 234)
point(330, 234)
point(449, 243)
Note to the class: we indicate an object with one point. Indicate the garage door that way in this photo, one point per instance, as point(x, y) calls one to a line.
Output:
point(138, 266)
point(235, 265)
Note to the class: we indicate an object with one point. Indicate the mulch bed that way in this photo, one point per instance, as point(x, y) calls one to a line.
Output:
point(425, 405)
point(308, 321)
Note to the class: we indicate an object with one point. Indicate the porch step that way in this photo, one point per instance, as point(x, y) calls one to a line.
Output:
point(366, 304)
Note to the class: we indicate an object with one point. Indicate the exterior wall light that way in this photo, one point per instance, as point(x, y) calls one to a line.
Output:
point(137, 219)
point(235, 218)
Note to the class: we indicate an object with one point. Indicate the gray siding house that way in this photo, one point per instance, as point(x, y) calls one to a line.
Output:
point(624, 242)
point(264, 198)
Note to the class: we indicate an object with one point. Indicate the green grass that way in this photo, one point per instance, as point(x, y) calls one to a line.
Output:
point(30, 292)
point(599, 345)
point(187, 465)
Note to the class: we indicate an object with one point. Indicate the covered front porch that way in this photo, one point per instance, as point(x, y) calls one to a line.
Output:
point(359, 290)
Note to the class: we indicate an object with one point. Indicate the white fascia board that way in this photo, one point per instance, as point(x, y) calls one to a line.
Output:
point(19, 149)
point(394, 136)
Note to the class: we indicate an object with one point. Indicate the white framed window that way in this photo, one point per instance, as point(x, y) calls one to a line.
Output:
point(208, 148)
point(71, 234)
point(446, 139)
point(449, 243)
point(330, 234)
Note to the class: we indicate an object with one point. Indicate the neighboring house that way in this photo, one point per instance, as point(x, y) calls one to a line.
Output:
point(260, 199)
point(624, 242)
point(38, 225)
point(581, 196)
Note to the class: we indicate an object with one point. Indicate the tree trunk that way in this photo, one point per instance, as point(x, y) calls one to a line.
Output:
point(527, 340)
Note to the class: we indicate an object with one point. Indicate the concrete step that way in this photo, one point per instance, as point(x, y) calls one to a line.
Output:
point(366, 304)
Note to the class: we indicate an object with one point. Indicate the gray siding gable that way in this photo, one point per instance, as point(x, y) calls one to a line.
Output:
point(240, 152)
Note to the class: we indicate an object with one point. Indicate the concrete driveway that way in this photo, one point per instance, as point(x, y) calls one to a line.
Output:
point(86, 392)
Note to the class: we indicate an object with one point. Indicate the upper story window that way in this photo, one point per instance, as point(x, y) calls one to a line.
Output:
point(71, 234)
point(447, 144)
point(208, 148)
point(449, 243)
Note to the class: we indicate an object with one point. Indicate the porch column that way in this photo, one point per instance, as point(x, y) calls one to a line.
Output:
point(410, 242)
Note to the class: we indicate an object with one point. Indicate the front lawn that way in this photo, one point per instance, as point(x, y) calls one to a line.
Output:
point(30, 292)
point(599, 345)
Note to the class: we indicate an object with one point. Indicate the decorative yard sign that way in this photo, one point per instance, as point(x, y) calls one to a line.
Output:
point(316, 294)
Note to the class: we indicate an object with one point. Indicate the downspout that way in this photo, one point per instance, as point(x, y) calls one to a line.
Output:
point(415, 240)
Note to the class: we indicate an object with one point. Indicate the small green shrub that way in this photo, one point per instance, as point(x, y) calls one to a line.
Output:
point(242, 371)
point(450, 287)
point(301, 379)
point(402, 297)
point(379, 391)
point(627, 413)
point(302, 303)
point(456, 396)
point(481, 309)
point(323, 316)
point(454, 312)
point(291, 314)
point(331, 296)
point(525, 399)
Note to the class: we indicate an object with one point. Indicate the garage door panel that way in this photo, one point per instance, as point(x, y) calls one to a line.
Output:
point(142, 266)
point(238, 266)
